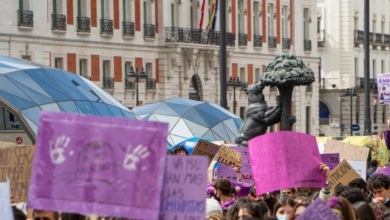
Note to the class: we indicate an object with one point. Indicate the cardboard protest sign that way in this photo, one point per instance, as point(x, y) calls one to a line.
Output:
point(346, 151)
point(101, 165)
point(229, 157)
point(276, 160)
point(318, 210)
point(5, 201)
point(16, 163)
point(331, 160)
point(360, 167)
point(205, 148)
point(383, 81)
point(342, 174)
point(224, 171)
point(184, 181)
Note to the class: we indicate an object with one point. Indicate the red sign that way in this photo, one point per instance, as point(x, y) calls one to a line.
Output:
point(19, 140)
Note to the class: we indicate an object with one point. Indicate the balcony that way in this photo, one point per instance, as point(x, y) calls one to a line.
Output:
point(149, 31)
point(321, 38)
point(128, 28)
point(257, 41)
point(25, 18)
point(360, 81)
point(286, 43)
point(106, 26)
point(108, 82)
point(272, 42)
point(83, 25)
point(307, 45)
point(58, 22)
point(358, 37)
point(244, 85)
point(150, 84)
point(196, 36)
point(378, 39)
point(129, 83)
point(242, 39)
point(386, 40)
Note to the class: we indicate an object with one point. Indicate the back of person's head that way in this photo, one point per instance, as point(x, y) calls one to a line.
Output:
point(377, 181)
point(263, 208)
point(282, 201)
point(215, 216)
point(339, 189)
point(364, 211)
point(224, 186)
point(254, 209)
point(342, 208)
point(358, 183)
point(373, 163)
point(353, 195)
point(18, 214)
point(212, 207)
point(302, 199)
point(72, 216)
point(379, 209)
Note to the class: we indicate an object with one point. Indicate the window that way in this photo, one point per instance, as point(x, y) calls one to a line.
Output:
point(105, 9)
point(26, 57)
point(173, 21)
point(106, 68)
point(356, 67)
point(194, 14)
point(257, 74)
point(284, 21)
point(357, 110)
point(242, 112)
point(241, 17)
point(149, 70)
point(82, 8)
point(308, 119)
point(374, 26)
point(127, 13)
point(59, 63)
point(242, 74)
point(270, 19)
point(24, 4)
point(383, 27)
point(8, 121)
point(373, 69)
point(382, 66)
point(148, 13)
point(57, 7)
point(256, 18)
point(306, 17)
point(83, 68)
point(356, 23)
point(128, 64)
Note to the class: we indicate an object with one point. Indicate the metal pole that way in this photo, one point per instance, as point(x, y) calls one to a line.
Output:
point(234, 95)
point(351, 110)
point(222, 51)
point(341, 116)
point(367, 113)
point(136, 89)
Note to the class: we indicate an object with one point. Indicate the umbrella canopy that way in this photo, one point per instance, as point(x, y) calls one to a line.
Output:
point(27, 88)
point(188, 118)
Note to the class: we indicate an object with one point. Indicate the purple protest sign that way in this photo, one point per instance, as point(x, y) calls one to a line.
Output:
point(385, 170)
point(183, 194)
point(224, 171)
point(100, 165)
point(331, 160)
point(285, 159)
point(318, 210)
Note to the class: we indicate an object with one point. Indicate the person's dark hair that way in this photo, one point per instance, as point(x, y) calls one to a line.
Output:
point(18, 214)
point(270, 201)
point(377, 181)
point(55, 214)
point(253, 208)
point(379, 209)
point(270, 218)
point(386, 215)
point(72, 216)
point(224, 186)
point(373, 163)
point(358, 183)
point(339, 189)
point(282, 201)
point(353, 195)
point(252, 191)
point(263, 208)
point(364, 211)
point(296, 207)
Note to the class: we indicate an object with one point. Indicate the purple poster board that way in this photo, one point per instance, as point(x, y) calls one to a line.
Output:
point(100, 165)
point(332, 160)
point(318, 210)
point(224, 171)
point(184, 188)
point(385, 170)
point(277, 163)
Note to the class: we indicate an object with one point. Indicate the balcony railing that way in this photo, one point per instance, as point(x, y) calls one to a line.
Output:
point(257, 41)
point(360, 81)
point(149, 31)
point(242, 39)
point(129, 83)
point(58, 22)
point(196, 36)
point(358, 37)
point(386, 40)
point(106, 26)
point(306, 45)
point(321, 38)
point(286, 43)
point(378, 39)
point(371, 38)
point(150, 84)
point(83, 24)
point(271, 42)
point(108, 82)
point(25, 18)
point(128, 28)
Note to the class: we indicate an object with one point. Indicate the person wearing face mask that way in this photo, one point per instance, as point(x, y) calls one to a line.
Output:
point(284, 208)
point(224, 192)
point(379, 186)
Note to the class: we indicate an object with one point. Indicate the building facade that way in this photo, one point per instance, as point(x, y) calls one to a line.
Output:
point(340, 36)
point(104, 39)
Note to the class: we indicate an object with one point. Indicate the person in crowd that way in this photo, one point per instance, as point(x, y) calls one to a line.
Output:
point(283, 208)
point(379, 209)
point(216, 216)
point(224, 192)
point(72, 216)
point(244, 207)
point(179, 151)
point(18, 214)
point(371, 170)
point(360, 184)
point(45, 215)
point(339, 189)
point(291, 192)
point(303, 199)
point(363, 211)
point(212, 207)
point(342, 208)
point(386, 215)
point(353, 195)
point(299, 208)
point(379, 186)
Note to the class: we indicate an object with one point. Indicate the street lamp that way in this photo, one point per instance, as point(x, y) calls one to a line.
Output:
point(234, 82)
point(349, 93)
point(136, 76)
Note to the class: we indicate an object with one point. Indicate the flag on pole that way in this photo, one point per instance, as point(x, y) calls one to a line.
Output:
point(213, 16)
point(202, 15)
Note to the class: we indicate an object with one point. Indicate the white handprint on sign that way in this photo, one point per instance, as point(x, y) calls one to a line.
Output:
point(134, 156)
point(57, 149)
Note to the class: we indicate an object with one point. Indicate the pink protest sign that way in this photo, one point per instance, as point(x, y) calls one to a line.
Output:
point(100, 165)
point(183, 194)
point(224, 171)
point(285, 159)
point(318, 210)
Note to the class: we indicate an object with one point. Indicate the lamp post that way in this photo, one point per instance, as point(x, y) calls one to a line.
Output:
point(234, 82)
point(349, 93)
point(136, 76)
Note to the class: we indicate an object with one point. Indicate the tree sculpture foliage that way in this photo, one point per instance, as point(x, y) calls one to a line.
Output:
point(285, 72)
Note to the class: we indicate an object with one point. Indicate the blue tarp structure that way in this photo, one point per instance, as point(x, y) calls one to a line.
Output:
point(189, 118)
